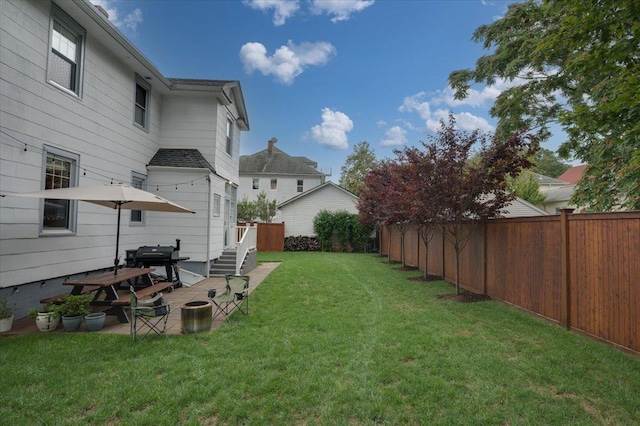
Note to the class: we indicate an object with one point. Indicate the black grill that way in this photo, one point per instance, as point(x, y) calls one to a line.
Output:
point(167, 256)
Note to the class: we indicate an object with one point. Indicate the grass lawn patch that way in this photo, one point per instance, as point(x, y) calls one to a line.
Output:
point(332, 338)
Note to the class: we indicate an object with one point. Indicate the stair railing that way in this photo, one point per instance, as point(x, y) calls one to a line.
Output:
point(247, 238)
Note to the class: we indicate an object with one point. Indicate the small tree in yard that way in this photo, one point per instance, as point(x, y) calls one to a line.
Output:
point(423, 192)
point(400, 201)
point(372, 208)
point(246, 210)
point(469, 191)
point(265, 209)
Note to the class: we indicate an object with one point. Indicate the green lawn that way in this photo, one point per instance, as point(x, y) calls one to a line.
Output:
point(331, 339)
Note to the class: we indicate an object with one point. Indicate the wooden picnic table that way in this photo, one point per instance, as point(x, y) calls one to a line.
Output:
point(108, 284)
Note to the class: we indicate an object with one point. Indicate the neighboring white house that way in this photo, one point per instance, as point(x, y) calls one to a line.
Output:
point(522, 208)
point(80, 105)
point(276, 173)
point(298, 212)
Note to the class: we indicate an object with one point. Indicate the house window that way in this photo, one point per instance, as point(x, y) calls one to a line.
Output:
point(65, 52)
point(256, 183)
point(300, 185)
point(274, 184)
point(141, 104)
point(216, 205)
point(139, 181)
point(229, 135)
point(60, 171)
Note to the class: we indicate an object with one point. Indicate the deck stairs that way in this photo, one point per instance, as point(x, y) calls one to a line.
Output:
point(225, 264)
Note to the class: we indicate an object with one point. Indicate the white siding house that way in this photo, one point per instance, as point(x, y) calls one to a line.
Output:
point(277, 174)
point(298, 212)
point(80, 106)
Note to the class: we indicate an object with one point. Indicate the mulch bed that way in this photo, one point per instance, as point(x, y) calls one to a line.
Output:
point(465, 297)
point(429, 278)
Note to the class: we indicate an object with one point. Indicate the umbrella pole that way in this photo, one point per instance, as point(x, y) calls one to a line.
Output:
point(115, 261)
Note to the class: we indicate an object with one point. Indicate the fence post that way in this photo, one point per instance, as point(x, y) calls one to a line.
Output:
point(565, 278)
point(484, 254)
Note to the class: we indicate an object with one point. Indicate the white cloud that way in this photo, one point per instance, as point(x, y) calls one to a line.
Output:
point(288, 61)
point(395, 136)
point(130, 20)
point(340, 9)
point(464, 120)
point(332, 132)
point(381, 123)
point(283, 9)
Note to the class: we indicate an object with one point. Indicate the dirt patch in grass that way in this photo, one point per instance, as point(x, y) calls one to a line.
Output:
point(465, 297)
point(429, 278)
point(406, 268)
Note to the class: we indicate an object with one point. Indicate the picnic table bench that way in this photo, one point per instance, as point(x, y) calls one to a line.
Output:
point(108, 283)
point(125, 299)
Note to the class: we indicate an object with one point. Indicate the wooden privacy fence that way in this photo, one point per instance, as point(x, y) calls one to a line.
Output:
point(270, 237)
point(579, 270)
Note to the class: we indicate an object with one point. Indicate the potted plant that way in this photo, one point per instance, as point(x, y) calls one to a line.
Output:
point(73, 308)
point(47, 317)
point(95, 321)
point(6, 315)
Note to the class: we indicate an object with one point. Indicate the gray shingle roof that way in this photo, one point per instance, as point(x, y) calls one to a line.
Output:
point(546, 180)
point(191, 158)
point(279, 163)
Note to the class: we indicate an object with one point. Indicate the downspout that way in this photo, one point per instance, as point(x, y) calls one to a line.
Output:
point(207, 265)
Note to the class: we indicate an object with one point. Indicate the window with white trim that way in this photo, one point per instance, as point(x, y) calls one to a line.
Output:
point(142, 99)
point(216, 205)
point(229, 135)
point(300, 185)
point(274, 184)
point(66, 51)
point(256, 183)
point(138, 180)
point(60, 171)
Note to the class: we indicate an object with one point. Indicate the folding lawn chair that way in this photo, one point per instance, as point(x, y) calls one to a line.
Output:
point(235, 295)
point(151, 313)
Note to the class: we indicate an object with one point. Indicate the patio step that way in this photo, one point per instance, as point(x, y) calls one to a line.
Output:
point(225, 264)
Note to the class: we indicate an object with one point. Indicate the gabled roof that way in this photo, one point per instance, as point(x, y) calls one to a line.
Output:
point(314, 189)
point(546, 180)
point(277, 162)
point(227, 92)
point(187, 158)
point(574, 174)
point(562, 193)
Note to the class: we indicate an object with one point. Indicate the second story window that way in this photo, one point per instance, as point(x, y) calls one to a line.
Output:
point(141, 104)
point(300, 185)
point(66, 51)
point(229, 135)
point(256, 183)
point(274, 184)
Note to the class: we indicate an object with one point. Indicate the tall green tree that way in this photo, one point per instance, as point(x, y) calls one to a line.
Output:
point(526, 187)
point(356, 166)
point(576, 63)
point(546, 162)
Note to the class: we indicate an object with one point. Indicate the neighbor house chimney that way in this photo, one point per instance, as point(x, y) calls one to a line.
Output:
point(270, 146)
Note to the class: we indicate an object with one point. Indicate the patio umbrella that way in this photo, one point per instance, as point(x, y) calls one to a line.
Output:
point(116, 196)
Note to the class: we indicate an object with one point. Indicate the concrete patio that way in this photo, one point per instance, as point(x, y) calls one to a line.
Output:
point(178, 297)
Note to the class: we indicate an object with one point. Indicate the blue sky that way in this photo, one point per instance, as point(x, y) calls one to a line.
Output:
point(321, 76)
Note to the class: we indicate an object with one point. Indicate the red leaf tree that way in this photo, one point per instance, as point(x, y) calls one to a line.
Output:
point(471, 190)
